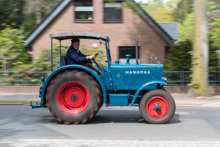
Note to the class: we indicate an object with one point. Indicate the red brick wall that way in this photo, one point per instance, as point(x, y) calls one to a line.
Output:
point(123, 34)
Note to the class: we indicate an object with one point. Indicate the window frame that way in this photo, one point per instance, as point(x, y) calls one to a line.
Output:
point(83, 20)
point(139, 48)
point(112, 21)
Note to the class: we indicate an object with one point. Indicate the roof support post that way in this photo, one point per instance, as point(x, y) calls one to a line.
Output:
point(107, 53)
point(51, 54)
point(60, 50)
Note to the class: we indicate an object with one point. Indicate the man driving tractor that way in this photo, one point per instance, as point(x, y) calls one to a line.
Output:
point(74, 56)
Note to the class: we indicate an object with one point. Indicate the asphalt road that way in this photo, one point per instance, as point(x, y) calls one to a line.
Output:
point(113, 123)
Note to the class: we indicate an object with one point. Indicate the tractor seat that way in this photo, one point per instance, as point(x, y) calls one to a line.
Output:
point(63, 60)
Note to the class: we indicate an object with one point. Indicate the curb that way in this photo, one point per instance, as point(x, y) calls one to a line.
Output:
point(15, 102)
point(12, 104)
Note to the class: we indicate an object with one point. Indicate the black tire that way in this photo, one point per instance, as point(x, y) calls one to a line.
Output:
point(100, 100)
point(101, 103)
point(164, 99)
point(62, 107)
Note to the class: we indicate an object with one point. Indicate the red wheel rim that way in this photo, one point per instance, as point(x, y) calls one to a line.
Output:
point(150, 107)
point(73, 97)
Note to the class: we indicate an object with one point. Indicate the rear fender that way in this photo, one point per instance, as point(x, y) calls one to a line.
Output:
point(142, 87)
point(58, 70)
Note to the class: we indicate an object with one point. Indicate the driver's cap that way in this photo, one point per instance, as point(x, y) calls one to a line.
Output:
point(74, 40)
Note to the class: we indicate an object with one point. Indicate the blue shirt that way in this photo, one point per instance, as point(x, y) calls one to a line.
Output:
point(74, 56)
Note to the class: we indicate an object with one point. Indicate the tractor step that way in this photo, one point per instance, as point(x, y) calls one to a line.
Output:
point(37, 105)
point(118, 99)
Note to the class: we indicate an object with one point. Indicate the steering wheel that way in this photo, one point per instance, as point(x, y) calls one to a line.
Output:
point(89, 60)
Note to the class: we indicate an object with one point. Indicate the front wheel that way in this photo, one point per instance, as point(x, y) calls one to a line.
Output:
point(157, 107)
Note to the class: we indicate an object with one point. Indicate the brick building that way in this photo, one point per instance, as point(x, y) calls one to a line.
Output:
point(122, 26)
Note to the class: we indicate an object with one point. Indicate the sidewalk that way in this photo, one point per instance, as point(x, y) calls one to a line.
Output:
point(181, 99)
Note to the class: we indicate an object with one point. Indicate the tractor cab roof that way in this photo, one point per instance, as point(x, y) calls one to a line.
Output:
point(70, 35)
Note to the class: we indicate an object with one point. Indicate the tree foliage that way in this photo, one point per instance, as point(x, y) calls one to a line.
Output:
point(11, 48)
point(213, 10)
point(24, 14)
point(180, 57)
point(184, 8)
point(216, 32)
point(11, 12)
point(186, 34)
point(213, 57)
point(186, 28)
point(40, 8)
point(161, 12)
point(34, 11)
point(100, 59)
point(151, 6)
point(43, 60)
point(215, 35)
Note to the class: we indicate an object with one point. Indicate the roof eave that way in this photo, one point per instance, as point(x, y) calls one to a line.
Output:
point(69, 35)
point(46, 22)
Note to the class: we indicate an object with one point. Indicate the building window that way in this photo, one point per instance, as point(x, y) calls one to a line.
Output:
point(128, 50)
point(112, 12)
point(83, 11)
point(29, 48)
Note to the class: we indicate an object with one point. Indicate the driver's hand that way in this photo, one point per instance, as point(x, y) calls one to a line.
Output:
point(91, 57)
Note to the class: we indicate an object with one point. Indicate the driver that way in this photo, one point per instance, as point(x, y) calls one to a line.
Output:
point(74, 56)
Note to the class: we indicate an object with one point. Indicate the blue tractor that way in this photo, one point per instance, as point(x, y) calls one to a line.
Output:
point(74, 93)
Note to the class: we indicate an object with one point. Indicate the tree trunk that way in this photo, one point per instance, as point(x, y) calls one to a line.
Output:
point(200, 50)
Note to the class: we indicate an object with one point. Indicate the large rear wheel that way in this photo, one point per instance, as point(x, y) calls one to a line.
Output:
point(157, 107)
point(73, 96)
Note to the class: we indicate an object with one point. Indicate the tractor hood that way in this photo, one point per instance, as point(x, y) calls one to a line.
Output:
point(132, 76)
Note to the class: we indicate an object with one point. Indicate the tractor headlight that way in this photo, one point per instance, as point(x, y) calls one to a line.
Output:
point(43, 79)
point(164, 79)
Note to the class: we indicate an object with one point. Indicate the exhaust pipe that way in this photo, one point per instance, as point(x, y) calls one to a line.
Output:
point(136, 50)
